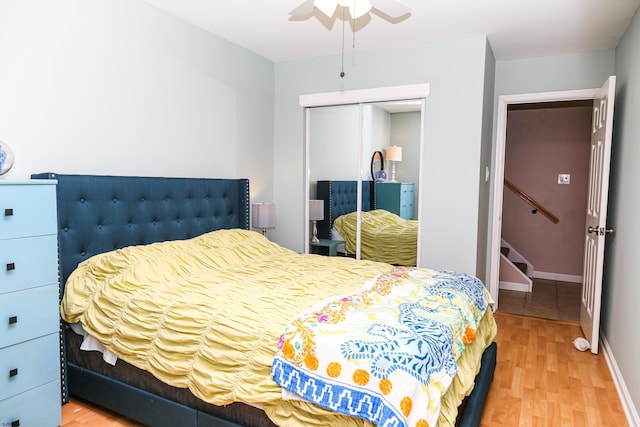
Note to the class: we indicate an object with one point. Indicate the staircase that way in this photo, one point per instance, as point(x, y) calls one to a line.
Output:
point(522, 266)
point(515, 270)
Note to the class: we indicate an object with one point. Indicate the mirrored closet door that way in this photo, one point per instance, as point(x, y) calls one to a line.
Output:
point(340, 144)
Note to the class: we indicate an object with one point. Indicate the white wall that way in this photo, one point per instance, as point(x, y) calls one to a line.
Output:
point(551, 73)
point(484, 187)
point(621, 291)
point(120, 87)
point(333, 148)
point(453, 128)
point(376, 136)
point(405, 133)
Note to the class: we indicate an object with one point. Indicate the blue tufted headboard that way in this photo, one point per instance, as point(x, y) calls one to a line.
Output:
point(98, 214)
point(341, 197)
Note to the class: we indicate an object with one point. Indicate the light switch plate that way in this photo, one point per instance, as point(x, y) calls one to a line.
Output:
point(564, 178)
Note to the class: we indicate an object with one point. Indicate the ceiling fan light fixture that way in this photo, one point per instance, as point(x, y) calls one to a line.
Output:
point(328, 7)
point(357, 8)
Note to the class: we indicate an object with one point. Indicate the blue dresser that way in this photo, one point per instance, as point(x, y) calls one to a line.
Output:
point(29, 317)
point(395, 197)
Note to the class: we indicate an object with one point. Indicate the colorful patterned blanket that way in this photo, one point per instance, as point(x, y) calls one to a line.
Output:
point(386, 353)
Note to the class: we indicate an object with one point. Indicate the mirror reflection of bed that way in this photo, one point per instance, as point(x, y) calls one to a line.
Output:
point(342, 140)
point(385, 234)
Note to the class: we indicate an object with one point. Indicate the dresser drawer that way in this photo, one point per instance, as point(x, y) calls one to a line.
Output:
point(39, 407)
point(28, 262)
point(27, 210)
point(29, 364)
point(395, 197)
point(28, 314)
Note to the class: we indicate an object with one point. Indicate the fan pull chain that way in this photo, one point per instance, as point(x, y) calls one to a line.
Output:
point(353, 28)
point(342, 65)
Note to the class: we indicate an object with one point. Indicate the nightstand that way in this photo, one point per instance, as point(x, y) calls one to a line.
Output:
point(326, 247)
point(29, 321)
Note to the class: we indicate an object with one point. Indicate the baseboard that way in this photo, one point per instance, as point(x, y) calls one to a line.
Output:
point(623, 392)
point(557, 276)
point(513, 286)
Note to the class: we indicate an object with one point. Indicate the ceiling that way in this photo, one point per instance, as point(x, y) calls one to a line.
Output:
point(516, 28)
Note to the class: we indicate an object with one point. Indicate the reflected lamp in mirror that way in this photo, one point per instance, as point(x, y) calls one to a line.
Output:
point(394, 154)
point(263, 216)
point(316, 213)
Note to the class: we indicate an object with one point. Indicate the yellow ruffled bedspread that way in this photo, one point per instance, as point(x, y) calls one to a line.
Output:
point(206, 314)
point(385, 237)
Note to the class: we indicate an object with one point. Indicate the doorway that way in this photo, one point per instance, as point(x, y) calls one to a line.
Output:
point(504, 102)
point(603, 99)
point(543, 217)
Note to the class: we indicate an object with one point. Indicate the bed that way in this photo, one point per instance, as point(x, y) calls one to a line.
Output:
point(385, 237)
point(101, 214)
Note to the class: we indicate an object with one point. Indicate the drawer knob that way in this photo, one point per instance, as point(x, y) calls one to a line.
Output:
point(13, 319)
point(15, 423)
point(8, 212)
point(13, 373)
point(11, 266)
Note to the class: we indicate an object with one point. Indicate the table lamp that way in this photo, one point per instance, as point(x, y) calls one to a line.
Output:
point(316, 213)
point(394, 154)
point(263, 216)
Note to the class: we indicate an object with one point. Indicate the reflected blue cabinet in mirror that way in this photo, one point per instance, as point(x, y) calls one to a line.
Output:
point(395, 197)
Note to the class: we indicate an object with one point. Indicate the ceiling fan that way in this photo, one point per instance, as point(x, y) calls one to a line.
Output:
point(357, 8)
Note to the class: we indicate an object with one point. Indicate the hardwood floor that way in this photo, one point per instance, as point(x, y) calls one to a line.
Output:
point(78, 413)
point(540, 380)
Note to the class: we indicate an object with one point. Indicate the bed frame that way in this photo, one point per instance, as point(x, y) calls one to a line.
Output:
point(97, 214)
point(340, 198)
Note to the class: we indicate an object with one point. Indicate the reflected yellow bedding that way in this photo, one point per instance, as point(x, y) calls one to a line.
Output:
point(206, 314)
point(385, 237)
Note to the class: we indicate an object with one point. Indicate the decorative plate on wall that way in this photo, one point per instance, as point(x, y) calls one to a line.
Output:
point(6, 158)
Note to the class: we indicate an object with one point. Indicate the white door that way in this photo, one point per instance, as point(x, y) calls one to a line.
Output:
point(601, 131)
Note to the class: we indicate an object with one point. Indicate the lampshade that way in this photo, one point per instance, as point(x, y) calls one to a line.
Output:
point(263, 215)
point(316, 210)
point(394, 153)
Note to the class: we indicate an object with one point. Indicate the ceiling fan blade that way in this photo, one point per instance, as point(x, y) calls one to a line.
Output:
point(304, 9)
point(392, 8)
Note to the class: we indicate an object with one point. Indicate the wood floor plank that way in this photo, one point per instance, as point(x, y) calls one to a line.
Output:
point(78, 413)
point(540, 380)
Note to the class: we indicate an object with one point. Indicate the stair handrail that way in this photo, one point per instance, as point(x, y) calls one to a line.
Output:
point(530, 200)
